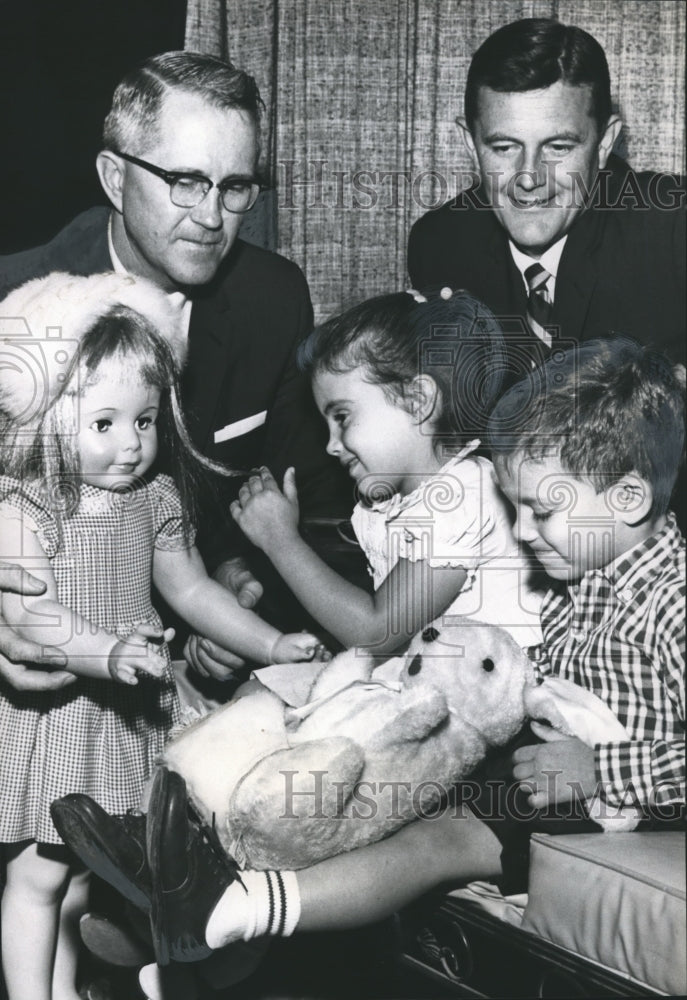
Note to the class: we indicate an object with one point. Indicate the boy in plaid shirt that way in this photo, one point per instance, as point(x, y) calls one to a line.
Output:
point(587, 449)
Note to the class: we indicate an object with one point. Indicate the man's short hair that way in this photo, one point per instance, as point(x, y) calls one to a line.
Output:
point(132, 123)
point(604, 409)
point(535, 53)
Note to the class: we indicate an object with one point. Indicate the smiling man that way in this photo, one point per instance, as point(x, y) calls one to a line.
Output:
point(179, 166)
point(561, 239)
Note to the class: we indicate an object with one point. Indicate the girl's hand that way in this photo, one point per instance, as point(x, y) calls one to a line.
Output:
point(296, 646)
point(139, 651)
point(265, 514)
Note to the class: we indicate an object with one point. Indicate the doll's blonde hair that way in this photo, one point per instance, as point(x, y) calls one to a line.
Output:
point(57, 332)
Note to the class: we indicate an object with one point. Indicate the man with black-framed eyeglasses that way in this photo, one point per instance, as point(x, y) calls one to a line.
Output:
point(188, 188)
point(179, 166)
point(202, 139)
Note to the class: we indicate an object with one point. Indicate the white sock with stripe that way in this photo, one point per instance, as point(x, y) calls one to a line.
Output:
point(266, 903)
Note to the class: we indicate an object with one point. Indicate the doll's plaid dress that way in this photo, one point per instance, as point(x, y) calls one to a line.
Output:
point(97, 737)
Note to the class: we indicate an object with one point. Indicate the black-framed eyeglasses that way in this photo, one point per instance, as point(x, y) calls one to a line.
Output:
point(238, 194)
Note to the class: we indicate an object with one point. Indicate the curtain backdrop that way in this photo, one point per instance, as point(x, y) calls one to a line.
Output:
point(360, 136)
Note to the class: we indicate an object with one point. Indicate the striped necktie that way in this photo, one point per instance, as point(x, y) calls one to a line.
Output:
point(539, 307)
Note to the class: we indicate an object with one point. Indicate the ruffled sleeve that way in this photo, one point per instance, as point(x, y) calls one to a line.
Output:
point(28, 503)
point(168, 518)
point(457, 520)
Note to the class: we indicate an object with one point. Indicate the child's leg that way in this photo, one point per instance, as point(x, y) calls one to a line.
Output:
point(36, 880)
point(373, 882)
point(369, 883)
point(74, 905)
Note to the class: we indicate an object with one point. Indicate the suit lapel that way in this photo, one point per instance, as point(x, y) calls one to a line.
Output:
point(575, 299)
point(577, 277)
point(507, 289)
point(209, 342)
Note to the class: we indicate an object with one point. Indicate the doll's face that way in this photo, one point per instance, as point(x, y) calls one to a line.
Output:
point(117, 433)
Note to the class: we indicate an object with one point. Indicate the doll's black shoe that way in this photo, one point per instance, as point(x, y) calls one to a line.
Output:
point(111, 846)
point(189, 872)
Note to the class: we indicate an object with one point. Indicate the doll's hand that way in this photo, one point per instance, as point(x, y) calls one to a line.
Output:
point(138, 652)
point(296, 646)
point(265, 514)
point(555, 770)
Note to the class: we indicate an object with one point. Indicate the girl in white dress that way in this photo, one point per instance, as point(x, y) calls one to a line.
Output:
point(405, 385)
point(96, 501)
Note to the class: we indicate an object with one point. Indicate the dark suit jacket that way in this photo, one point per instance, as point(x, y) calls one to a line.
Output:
point(622, 268)
point(244, 331)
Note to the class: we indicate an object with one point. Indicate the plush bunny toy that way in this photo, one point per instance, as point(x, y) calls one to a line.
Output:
point(371, 749)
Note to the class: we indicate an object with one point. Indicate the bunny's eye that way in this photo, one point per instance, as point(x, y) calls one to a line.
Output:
point(488, 664)
point(415, 665)
point(430, 634)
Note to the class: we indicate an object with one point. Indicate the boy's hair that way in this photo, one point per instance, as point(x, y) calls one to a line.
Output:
point(393, 339)
point(134, 117)
point(534, 53)
point(606, 408)
point(47, 451)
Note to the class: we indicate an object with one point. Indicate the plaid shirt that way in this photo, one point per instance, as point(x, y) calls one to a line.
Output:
point(620, 632)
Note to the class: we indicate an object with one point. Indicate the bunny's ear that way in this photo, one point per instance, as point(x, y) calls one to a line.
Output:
point(575, 711)
point(544, 709)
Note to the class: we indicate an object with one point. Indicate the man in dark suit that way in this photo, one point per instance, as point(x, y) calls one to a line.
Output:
point(607, 244)
point(180, 169)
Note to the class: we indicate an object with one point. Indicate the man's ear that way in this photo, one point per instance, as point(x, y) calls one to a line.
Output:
point(631, 498)
point(466, 134)
point(607, 140)
point(423, 397)
point(111, 173)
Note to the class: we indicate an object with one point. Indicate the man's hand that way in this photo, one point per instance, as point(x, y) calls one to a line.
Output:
point(206, 657)
point(210, 660)
point(15, 651)
point(265, 514)
point(557, 770)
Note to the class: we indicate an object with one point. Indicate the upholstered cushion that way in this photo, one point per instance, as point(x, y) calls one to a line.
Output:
point(617, 899)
